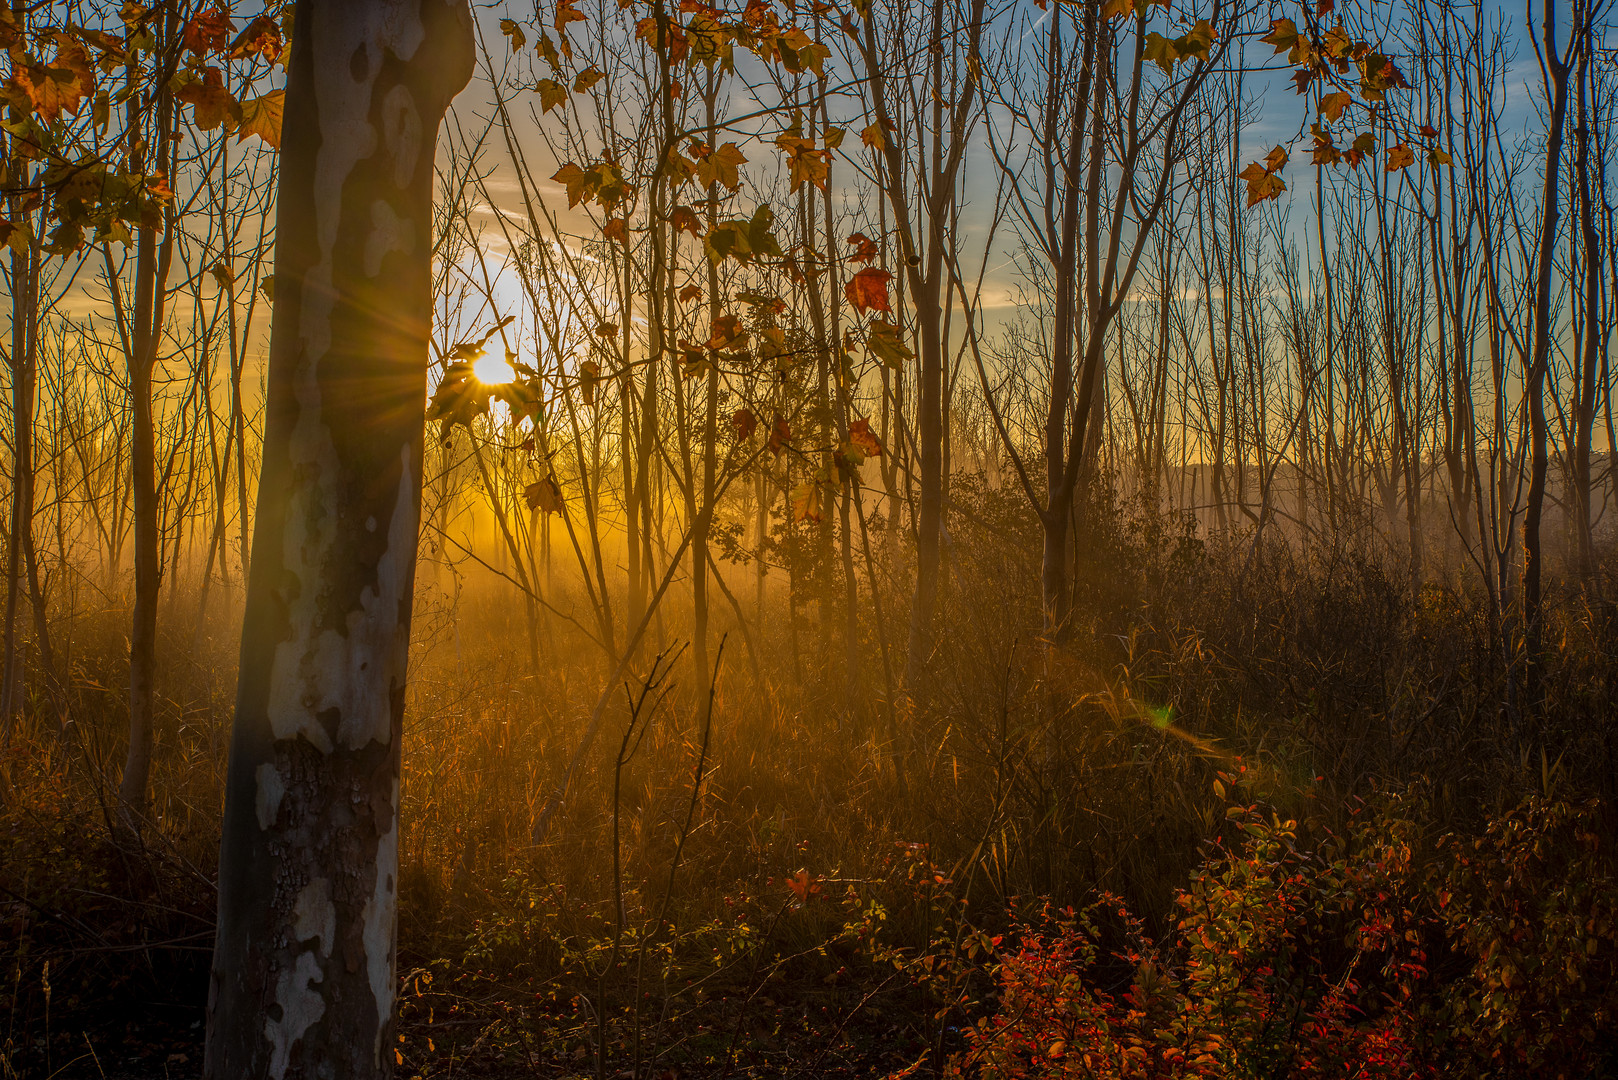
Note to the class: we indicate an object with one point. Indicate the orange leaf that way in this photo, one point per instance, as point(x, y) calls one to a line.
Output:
point(868, 290)
point(208, 32)
point(860, 434)
point(865, 248)
point(1399, 157)
point(745, 424)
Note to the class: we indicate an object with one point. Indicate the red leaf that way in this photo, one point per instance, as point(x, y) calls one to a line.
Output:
point(868, 290)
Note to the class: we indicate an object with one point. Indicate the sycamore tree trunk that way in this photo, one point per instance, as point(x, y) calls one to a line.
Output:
point(303, 972)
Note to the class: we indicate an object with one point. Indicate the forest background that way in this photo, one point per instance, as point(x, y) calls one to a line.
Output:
point(886, 464)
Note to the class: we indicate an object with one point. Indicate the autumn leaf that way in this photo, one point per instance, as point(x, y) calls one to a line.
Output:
point(261, 38)
point(745, 423)
point(805, 161)
point(211, 104)
point(800, 884)
point(722, 166)
point(513, 33)
point(1429, 131)
point(51, 90)
point(589, 376)
point(868, 290)
point(1160, 51)
point(1399, 156)
point(726, 330)
point(860, 434)
point(208, 31)
point(1437, 157)
point(587, 78)
point(267, 287)
point(780, 436)
point(806, 507)
point(607, 330)
point(1276, 159)
point(865, 249)
point(1261, 184)
point(884, 343)
point(1283, 34)
point(616, 229)
point(565, 14)
point(1333, 104)
point(544, 496)
point(579, 184)
point(871, 135)
point(683, 218)
point(223, 274)
point(261, 116)
point(690, 293)
point(551, 94)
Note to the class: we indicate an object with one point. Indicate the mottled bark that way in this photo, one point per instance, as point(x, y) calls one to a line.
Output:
point(303, 974)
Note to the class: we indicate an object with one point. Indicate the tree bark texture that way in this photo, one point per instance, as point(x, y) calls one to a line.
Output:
point(303, 975)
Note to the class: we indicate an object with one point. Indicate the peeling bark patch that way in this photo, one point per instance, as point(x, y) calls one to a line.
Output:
point(301, 1008)
point(401, 133)
point(315, 916)
point(271, 788)
point(380, 917)
point(389, 233)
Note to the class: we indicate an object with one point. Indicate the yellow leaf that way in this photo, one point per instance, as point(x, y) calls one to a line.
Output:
point(514, 32)
point(1399, 157)
point(587, 78)
point(261, 116)
point(551, 94)
point(872, 136)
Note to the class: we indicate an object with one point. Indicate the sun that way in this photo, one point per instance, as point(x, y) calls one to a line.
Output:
point(493, 370)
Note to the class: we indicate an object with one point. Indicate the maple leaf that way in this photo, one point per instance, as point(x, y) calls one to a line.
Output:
point(780, 436)
point(59, 86)
point(587, 78)
point(1283, 35)
point(1437, 157)
point(1429, 131)
point(580, 185)
point(261, 37)
point(744, 423)
point(1261, 184)
point(1197, 42)
point(608, 330)
point(871, 135)
point(223, 274)
point(513, 33)
point(722, 166)
point(806, 162)
point(884, 343)
point(868, 290)
point(1399, 156)
point(551, 94)
point(208, 31)
point(683, 218)
point(261, 116)
point(690, 293)
point(546, 48)
point(800, 884)
point(1160, 51)
point(616, 229)
point(860, 434)
point(865, 249)
point(806, 507)
point(1276, 159)
point(211, 104)
point(543, 495)
point(565, 14)
point(589, 376)
point(1332, 105)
